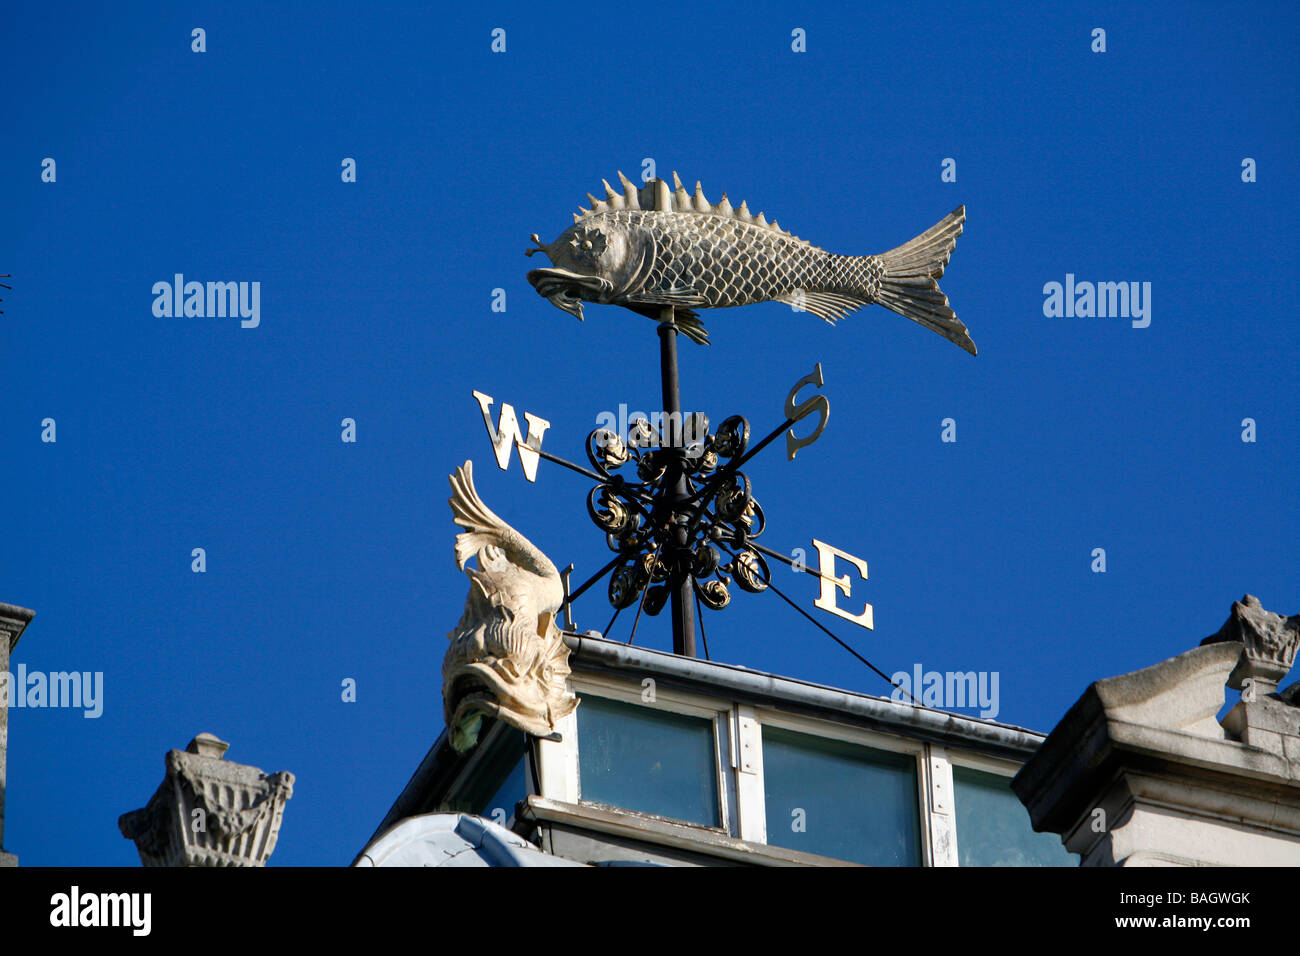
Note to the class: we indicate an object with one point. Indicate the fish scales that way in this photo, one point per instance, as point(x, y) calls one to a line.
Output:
point(733, 263)
point(651, 248)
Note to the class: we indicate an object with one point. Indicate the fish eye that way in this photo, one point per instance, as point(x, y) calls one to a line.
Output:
point(588, 244)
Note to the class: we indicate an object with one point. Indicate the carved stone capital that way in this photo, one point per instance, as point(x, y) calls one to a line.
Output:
point(208, 812)
point(1268, 640)
point(13, 621)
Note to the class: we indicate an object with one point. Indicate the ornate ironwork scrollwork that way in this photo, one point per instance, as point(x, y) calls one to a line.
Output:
point(625, 586)
point(713, 594)
point(609, 513)
point(656, 598)
point(751, 571)
point(733, 498)
point(720, 510)
point(732, 438)
point(606, 451)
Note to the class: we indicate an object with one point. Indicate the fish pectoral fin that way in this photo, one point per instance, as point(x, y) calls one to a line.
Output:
point(637, 278)
point(678, 297)
point(830, 306)
point(688, 322)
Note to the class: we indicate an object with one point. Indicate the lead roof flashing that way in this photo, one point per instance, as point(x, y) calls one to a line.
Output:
point(596, 655)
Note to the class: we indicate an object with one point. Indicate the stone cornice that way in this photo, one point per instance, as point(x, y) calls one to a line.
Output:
point(1152, 739)
point(13, 621)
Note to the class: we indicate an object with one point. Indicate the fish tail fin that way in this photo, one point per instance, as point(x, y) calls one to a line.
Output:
point(910, 284)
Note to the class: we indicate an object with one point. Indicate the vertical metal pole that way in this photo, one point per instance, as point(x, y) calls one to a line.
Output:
point(568, 611)
point(680, 580)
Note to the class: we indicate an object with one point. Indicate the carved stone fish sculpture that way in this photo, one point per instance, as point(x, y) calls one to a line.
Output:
point(507, 657)
point(653, 247)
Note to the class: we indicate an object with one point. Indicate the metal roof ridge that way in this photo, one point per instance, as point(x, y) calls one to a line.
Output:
point(579, 643)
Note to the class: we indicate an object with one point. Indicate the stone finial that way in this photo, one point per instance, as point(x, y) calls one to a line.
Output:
point(1268, 640)
point(208, 812)
point(207, 745)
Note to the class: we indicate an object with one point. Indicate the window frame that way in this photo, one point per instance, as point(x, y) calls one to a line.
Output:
point(985, 763)
point(738, 760)
point(860, 736)
point(982, 763)
point(719, 713)
point(485, 751)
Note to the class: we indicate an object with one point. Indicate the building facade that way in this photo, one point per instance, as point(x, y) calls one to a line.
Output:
point(670, 760)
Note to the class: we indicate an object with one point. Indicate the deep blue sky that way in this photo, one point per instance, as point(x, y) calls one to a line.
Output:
point(329, 560)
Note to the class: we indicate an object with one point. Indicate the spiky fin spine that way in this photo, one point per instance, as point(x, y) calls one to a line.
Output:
point(656, 195)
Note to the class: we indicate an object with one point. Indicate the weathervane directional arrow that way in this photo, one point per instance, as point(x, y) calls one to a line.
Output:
point(685, 529)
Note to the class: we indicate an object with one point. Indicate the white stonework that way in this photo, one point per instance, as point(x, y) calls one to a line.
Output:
point(507, 658)
point(13, 621)
point(209, 812)
point(1140, 772)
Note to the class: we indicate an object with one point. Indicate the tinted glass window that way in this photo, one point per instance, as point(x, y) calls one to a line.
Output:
point(498, 778)
point(841, 800)
point(993, 827)
point(514, 789)
point(647, 759)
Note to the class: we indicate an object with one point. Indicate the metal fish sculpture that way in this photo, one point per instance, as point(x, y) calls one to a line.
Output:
point(652, 247)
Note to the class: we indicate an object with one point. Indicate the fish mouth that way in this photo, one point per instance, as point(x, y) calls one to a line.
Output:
point(566, 290)
point(477, 690)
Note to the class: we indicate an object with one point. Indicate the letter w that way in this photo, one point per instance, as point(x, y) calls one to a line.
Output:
point(506, 435)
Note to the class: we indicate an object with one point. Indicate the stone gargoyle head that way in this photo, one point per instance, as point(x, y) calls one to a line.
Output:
point(507, 657)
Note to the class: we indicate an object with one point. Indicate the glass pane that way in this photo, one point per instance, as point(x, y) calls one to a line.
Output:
point(498, 779)
point(993, 826)
point(511, 792)
point(649, 760)
point(841, 800)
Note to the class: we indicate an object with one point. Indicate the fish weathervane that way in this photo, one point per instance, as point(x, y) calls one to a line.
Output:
point(653, 247)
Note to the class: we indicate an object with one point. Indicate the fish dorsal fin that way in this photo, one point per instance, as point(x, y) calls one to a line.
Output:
point(656, 194)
